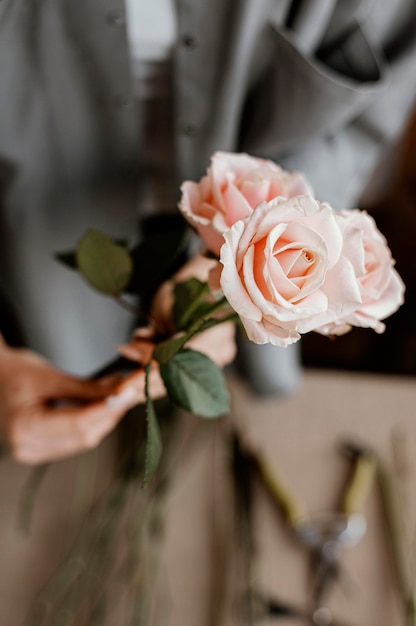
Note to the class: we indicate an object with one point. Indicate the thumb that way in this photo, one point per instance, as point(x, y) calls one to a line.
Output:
point(70, 387)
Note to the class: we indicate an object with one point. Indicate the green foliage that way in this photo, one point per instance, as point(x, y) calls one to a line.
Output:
point(196, 383)
point(193, 381)
point(69, 258)
point(109, 267)
point(105, 265)
point(154, 440)
point(189, 304)
point(165, 350)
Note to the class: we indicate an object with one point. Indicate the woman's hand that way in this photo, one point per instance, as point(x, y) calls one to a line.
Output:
point(47, 415)
point(218, 342)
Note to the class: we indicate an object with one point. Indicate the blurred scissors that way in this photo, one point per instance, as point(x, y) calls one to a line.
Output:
point(256, 607)
point(328, 534)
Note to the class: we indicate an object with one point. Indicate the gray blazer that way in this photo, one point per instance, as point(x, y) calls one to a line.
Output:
point(319, 85)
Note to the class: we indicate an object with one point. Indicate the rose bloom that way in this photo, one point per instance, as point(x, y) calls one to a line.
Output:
point(382, 289)
point(284, 270)
point(233, 186)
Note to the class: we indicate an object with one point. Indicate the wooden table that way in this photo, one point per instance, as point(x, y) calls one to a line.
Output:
point(200, 570)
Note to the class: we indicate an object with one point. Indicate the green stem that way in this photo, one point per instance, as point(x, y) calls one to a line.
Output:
point(29, 496)
point(188, 313)
point(209, 322)
point(217, 306)
point(198, 325)
point(167, 349)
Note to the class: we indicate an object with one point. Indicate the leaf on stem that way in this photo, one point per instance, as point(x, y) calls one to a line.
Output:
point(165, 350)
point(154, 440)
point(105, 265)
point(189, 303)
point(195, 383)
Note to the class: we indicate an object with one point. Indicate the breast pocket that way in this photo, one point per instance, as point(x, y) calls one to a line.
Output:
point(297, 97)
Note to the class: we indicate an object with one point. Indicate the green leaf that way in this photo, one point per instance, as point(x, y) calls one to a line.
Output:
point(155, 259)
point(105, 265)
point(165, 350)
point(154, 440)
point(69, 258)
point(196, 383)
point(188, 301)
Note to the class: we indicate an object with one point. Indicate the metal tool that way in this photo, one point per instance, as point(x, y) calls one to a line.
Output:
point(326, 535)
point(256, 607)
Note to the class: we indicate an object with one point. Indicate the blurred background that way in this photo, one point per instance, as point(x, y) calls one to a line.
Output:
point(391, 199)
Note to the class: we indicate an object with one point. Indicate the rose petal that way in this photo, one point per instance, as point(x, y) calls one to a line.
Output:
point(256, 190)
point(343, 293)
point(289, 185)
point(269, 333)
point(236, 205)
point(392, 298)
point(231, 284)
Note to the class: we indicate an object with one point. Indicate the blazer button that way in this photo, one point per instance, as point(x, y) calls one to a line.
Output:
point(189, 41)
point(189, 129)
point(122, 102)
point(116, 18)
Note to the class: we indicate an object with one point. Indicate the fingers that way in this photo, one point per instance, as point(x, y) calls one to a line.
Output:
point(218, 343)
point(54, 433)
point(110, 381)
point(161, 312)
point(27, 379)
point(71, 388)
point(136, 381)
point(48, 415)
point(199, 267)
point(138, 349)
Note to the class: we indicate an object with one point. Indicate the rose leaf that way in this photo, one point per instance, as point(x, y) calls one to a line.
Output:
point(188, 301)
point(195, 383)
point(165, 350)
point(105, 265)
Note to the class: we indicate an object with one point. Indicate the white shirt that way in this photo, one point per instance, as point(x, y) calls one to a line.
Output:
point(151, 28)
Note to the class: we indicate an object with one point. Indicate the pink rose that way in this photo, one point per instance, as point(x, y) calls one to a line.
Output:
point(284, 272)
point(381, 288)
point(234, 185)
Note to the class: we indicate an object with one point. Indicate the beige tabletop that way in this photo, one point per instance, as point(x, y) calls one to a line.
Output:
point(200, 576)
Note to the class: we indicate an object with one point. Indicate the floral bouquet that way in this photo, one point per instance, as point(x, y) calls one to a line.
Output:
point(281, 263)
point(275, 260)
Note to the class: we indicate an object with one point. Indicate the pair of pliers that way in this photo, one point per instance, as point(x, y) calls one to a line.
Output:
point(326, 535)
point(256, 607)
